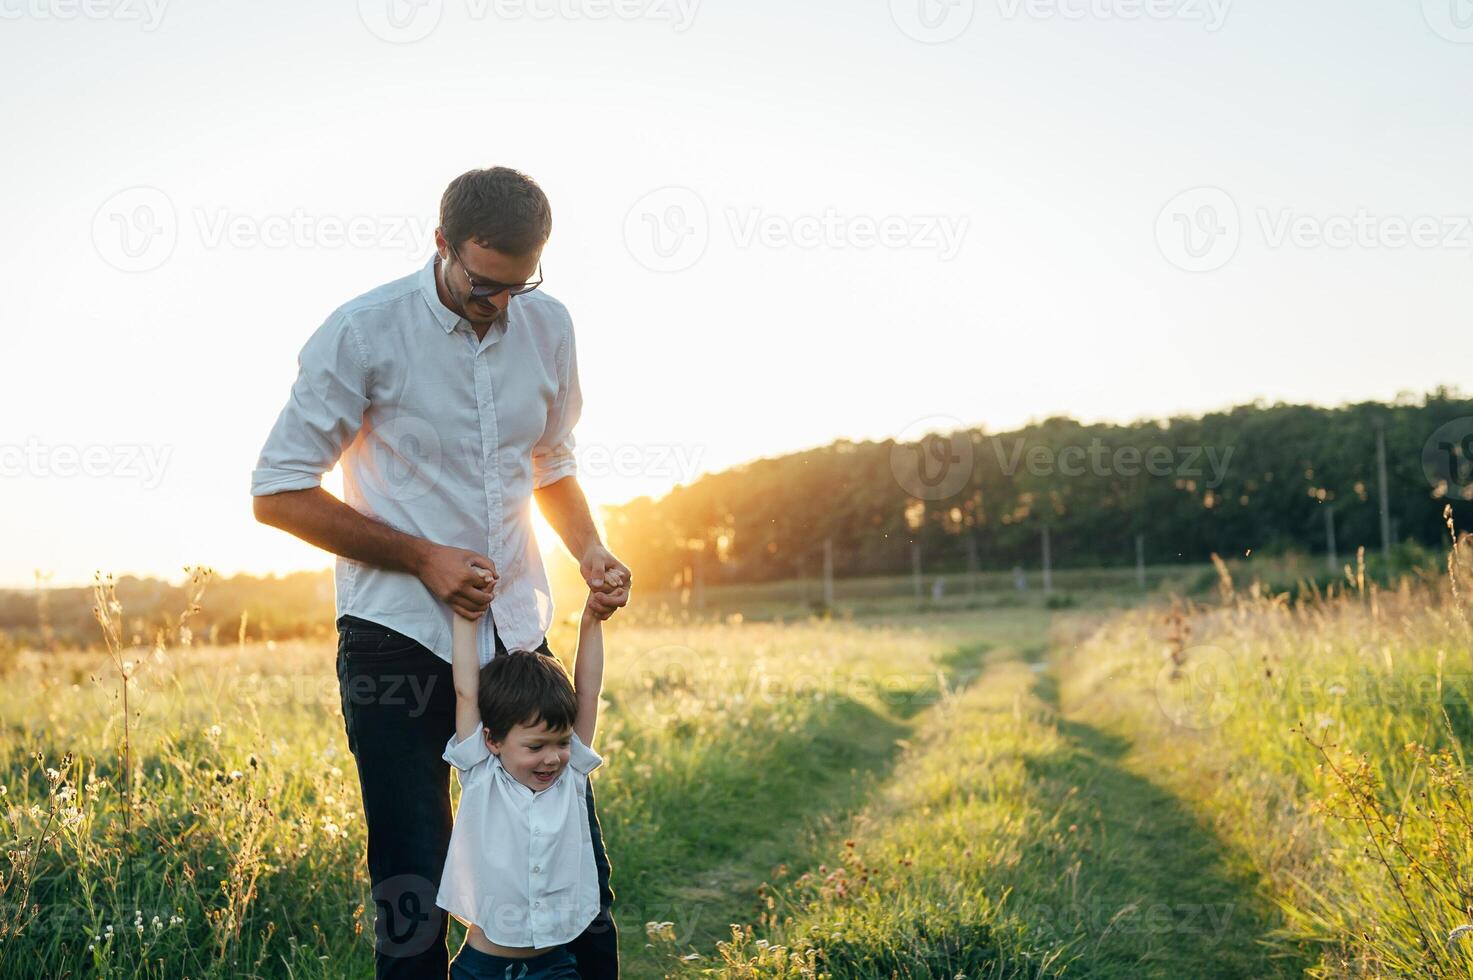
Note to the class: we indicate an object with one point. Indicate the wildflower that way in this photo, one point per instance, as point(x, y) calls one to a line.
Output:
point(214, 731)
point(158, 924)
point(174, 920)
point(53, 775)
point(660, 930)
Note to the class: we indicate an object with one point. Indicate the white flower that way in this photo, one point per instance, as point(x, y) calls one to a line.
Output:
point(214, 731)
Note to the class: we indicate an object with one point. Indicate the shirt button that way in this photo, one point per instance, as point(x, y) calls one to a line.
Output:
point(536, 868)
point(537, 905)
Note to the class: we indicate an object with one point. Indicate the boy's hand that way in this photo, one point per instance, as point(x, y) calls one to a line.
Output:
point(603, 604)
point(608, 578)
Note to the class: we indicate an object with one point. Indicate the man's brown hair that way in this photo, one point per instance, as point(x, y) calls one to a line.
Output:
point(499, 208)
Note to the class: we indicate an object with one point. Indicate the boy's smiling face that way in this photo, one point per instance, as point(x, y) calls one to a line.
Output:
point(534, 754)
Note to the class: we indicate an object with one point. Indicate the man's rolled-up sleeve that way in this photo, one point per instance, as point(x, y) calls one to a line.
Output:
point(322, 415)
point(552, 456)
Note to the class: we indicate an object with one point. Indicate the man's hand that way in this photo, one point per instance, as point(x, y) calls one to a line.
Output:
point(609, 580)
point(462, 579)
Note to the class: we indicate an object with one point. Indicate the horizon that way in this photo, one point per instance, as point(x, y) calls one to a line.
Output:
point(552, 548)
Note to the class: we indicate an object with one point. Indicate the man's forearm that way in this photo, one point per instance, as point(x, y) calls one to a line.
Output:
point(566, 509)
point(319, 518)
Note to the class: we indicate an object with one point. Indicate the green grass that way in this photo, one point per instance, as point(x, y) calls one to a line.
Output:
point(1324, 741)
point(1012, 842)
point(1011, 791)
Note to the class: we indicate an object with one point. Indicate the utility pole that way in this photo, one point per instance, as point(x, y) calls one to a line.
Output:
point(1048, 570)
point(1385, 497)
point(973, 565)
point(828, 573)
point(915, 567)
point(1333, 559)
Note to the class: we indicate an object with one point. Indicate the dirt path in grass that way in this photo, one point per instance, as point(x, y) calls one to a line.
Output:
point(1143, 889)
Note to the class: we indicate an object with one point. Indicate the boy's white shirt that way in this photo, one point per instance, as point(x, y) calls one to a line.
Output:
point(520, 863)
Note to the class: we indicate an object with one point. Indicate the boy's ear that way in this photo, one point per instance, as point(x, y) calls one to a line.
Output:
point(491, 743)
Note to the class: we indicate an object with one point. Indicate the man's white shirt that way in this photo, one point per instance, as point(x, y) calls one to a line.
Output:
point(440, 435)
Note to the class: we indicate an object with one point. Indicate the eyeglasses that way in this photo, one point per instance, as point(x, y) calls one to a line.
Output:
point(483, 289)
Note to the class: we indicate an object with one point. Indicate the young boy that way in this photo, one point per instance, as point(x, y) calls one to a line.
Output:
point(520, 871)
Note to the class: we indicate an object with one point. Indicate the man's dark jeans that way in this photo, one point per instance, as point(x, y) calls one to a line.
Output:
point(399, 711)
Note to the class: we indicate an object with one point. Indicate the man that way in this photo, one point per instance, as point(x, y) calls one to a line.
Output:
point(450, 395)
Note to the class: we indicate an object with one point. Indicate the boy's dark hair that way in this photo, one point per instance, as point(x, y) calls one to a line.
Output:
point(523, 687)
point(499, 208)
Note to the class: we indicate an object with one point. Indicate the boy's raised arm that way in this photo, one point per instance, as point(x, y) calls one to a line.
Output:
point(466, 668)
point(588, 673)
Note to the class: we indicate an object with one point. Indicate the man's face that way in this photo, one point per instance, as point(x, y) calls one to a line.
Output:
point(484, 265)
point(533, 754)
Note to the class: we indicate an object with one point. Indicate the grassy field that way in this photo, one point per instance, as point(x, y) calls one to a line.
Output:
point(1242, 788)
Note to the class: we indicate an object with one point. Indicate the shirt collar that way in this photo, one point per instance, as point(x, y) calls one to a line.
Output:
point(447, 318)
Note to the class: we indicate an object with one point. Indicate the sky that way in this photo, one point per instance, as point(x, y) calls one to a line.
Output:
point(775, 225)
